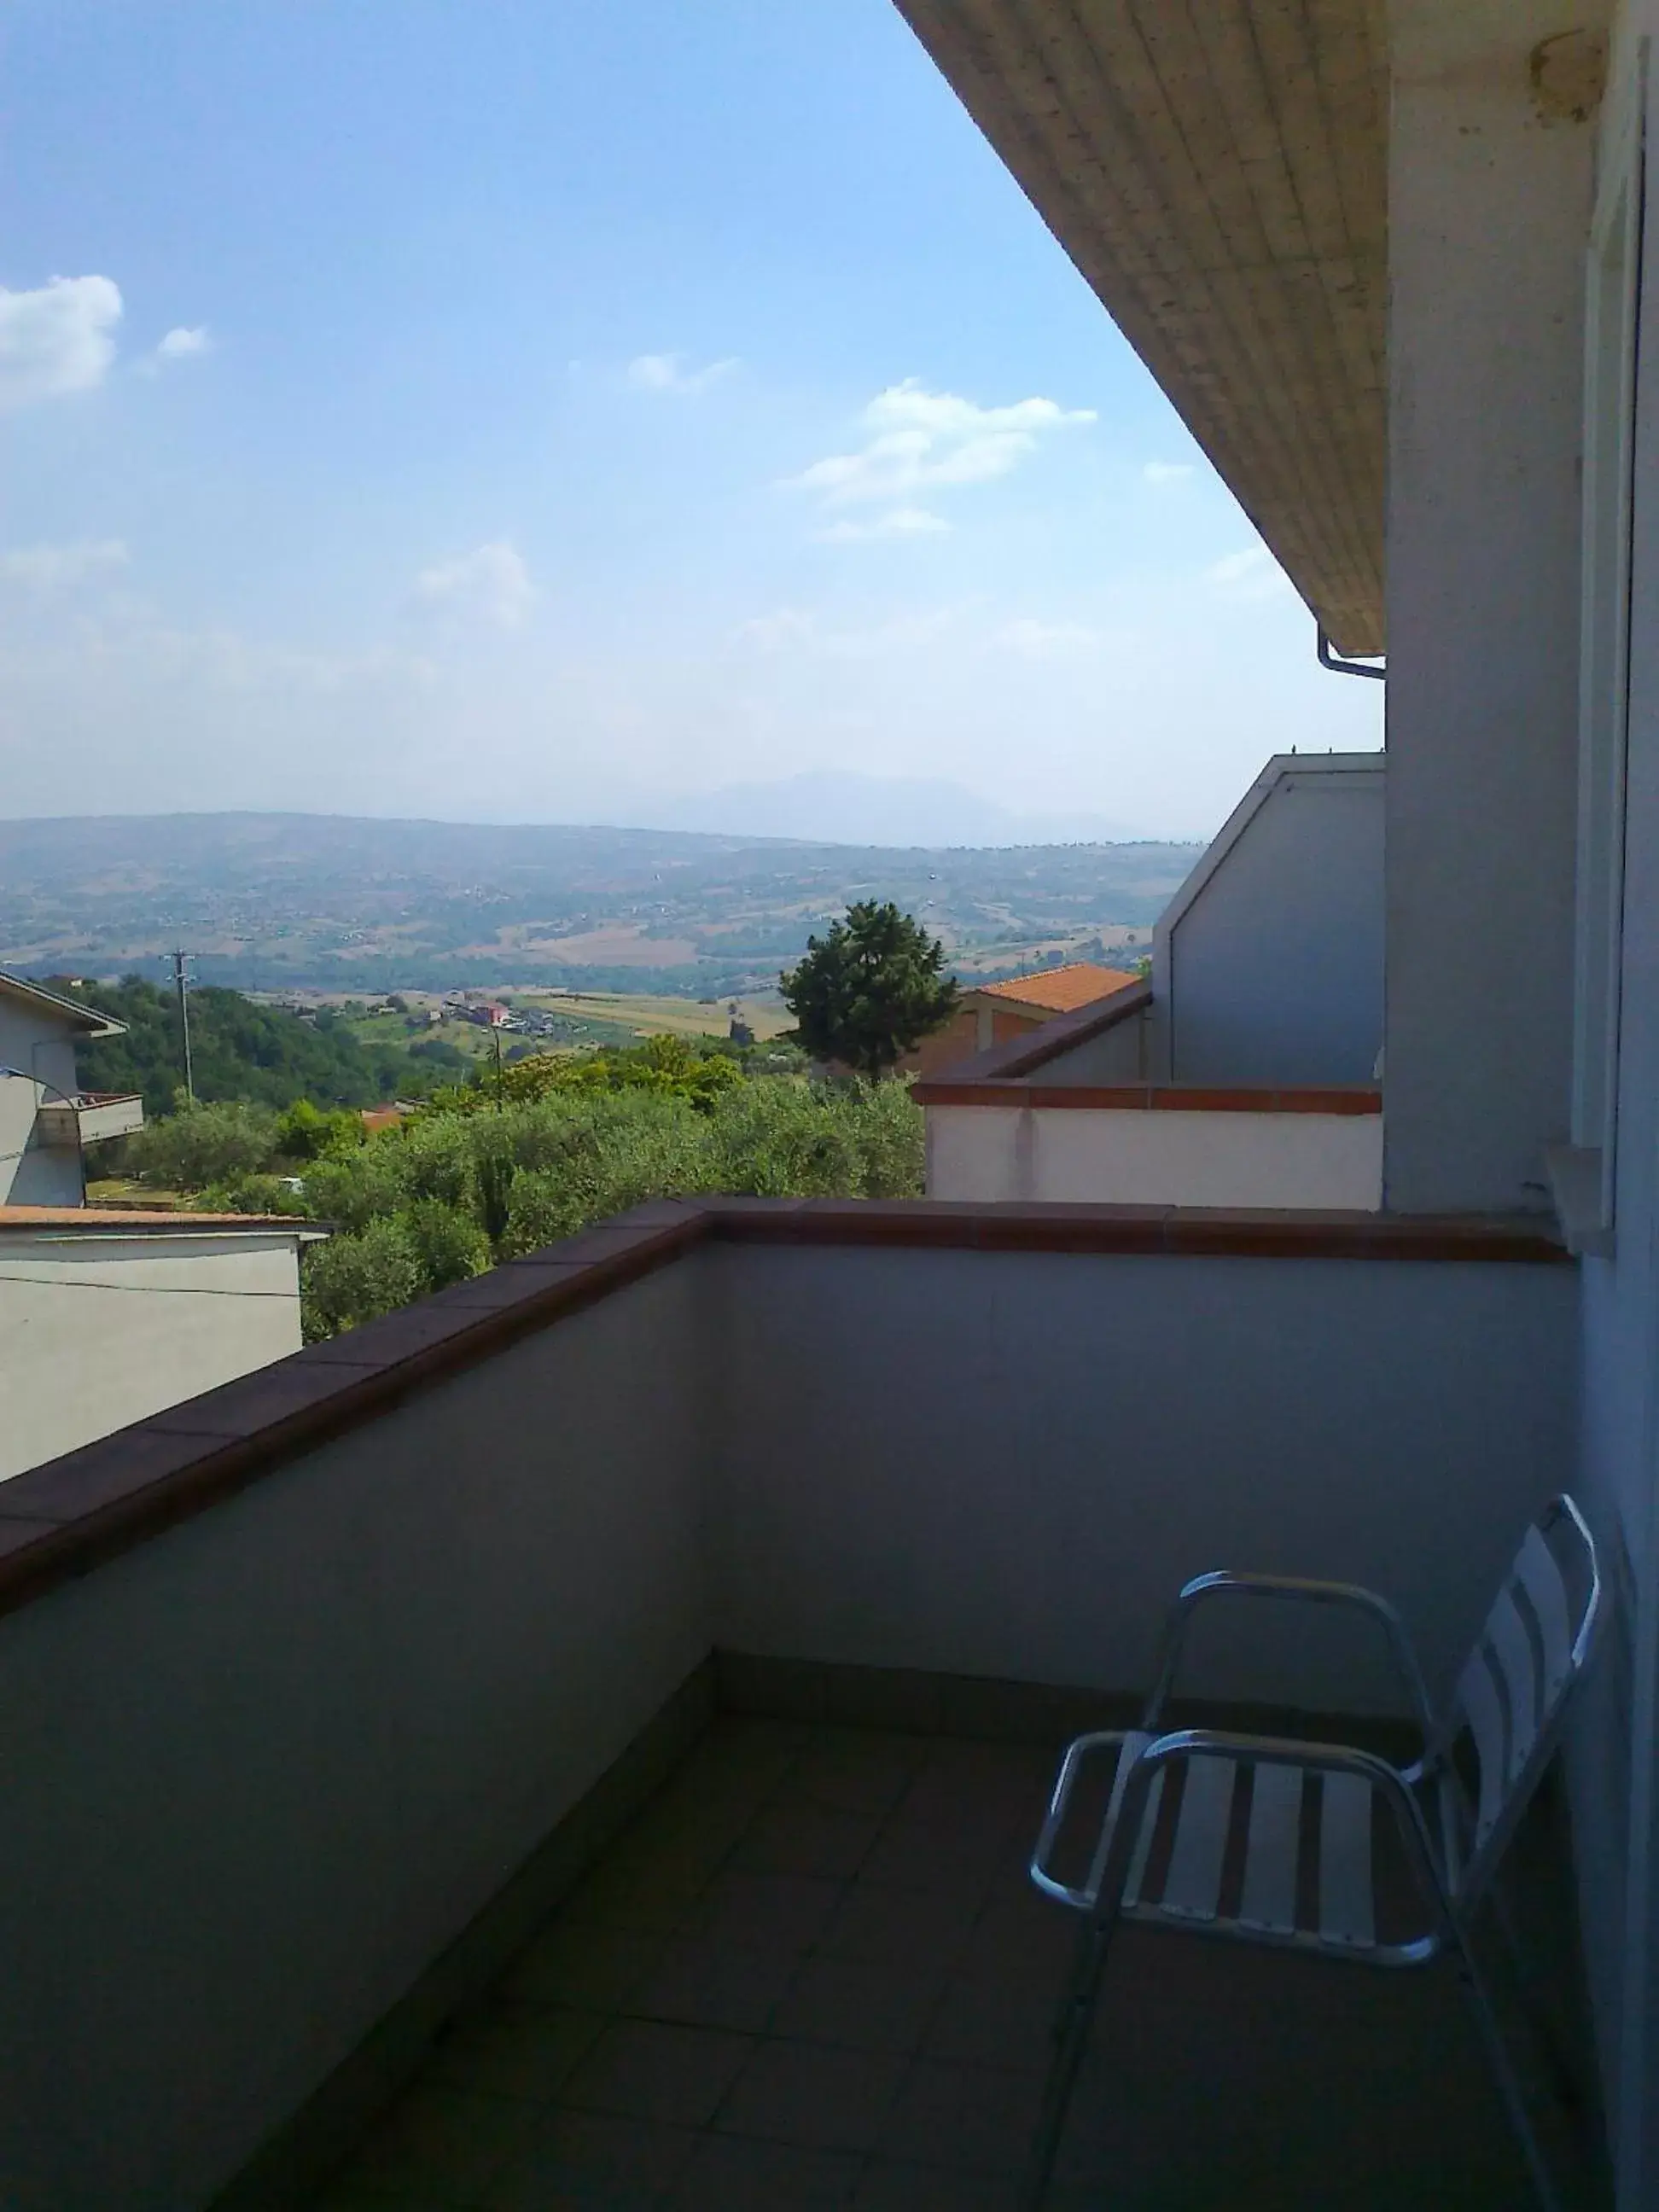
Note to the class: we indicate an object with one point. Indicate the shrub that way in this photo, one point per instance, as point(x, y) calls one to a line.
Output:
point(449, 1247)
point(255, 1194)
point(358, 1276)
point(201, 1144)
point(305, 1131)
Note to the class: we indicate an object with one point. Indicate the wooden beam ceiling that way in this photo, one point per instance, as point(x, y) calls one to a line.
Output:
point(1216, 169)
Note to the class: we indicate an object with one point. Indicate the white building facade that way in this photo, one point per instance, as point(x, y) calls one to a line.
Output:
point(46, 1120)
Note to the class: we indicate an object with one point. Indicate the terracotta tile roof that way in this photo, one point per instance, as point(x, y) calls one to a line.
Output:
point(376, 1118)
point(123, 1217)
point(1059, 990)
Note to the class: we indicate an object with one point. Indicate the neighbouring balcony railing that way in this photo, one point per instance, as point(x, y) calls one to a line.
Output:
point(297, 1676)
point(89, 1118)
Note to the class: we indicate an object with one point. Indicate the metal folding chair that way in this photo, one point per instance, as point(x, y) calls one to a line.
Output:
point(1505, 1722)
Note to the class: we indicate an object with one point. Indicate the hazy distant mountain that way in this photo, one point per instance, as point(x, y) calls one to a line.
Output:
point(271, 900)
point(847, 809)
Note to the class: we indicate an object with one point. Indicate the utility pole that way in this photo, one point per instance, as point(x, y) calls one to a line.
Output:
point(495, 1038)
point(181, 983)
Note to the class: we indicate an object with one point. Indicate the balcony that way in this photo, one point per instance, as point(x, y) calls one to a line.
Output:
point(1154, 1145)
point(575, 1741)
point(90, 1118)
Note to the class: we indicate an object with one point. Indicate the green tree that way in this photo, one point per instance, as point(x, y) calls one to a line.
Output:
point(201, 1144)
point(358, 1276)
point(305, 1132)
point(870, 990)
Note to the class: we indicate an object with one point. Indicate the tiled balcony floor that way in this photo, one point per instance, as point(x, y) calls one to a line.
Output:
point(814, 1974)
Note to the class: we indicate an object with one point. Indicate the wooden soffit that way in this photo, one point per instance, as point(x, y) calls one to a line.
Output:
point(1216, 169)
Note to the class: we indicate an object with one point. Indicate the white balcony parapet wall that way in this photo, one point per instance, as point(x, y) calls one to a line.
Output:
point(264, 1769)
point(1100, 1155)
point(263, 1765)
point(90, 1118)
point(100, 1327)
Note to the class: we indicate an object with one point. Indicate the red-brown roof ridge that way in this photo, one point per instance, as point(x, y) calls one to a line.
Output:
point(1075, 984)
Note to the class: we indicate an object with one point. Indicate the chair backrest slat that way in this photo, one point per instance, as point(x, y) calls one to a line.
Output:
point(1511, 1647)
point(1143, 1850)
point(1194, 1882)
point(1345, 1862)
point(1477, 1693)
point(1540, 1577)
point(1272, 1849)
point(1537, 1640)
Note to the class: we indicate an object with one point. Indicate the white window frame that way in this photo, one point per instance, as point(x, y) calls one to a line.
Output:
point(1612, 305)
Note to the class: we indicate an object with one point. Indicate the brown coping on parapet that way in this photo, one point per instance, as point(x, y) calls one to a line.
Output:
point(1145, 1097)
point(62, 1519)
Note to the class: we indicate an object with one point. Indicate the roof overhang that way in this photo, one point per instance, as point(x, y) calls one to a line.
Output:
point(1217, 171)
point(51, 1004)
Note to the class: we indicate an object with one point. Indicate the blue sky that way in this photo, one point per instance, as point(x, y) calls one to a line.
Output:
point(527, 411)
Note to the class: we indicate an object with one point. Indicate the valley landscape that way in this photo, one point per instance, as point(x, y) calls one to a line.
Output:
point(322, 904)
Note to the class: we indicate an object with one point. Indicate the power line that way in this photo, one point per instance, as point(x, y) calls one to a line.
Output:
point(142, 1289)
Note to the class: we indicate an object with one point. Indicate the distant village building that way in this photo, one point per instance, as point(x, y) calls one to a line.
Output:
point(994, 1013)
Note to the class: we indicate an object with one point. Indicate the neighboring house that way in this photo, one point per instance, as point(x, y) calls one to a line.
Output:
point(993, 1013)
point(106, 1316)
point(46, 1120)
point(330, 1689)
point(1242, 1072)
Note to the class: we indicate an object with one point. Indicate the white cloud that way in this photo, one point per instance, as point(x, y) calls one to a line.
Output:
point(662, 371)
point(178, 345)
point(490, 585)
point(1163, 472)
point(1041, 640)
point(1250, 574)
point(898, 522)
point(55, 567)
point(920, 440)
point(56, 339)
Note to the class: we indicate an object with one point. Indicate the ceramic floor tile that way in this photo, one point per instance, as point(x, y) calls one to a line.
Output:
point(778, 1912)
point(852, 1773)
point(809, 2095)
point(440, 2141)
point(650, 2069)
point(1003, 2021)
point(794, 1835)
point(732, 2173)
point(572, 1964)
point(864, 2004)
point(973, 2117)
point(709, 1984)
point(888, 2186)
point(591, 2160)
point(515, 2051)
point(883, 1924)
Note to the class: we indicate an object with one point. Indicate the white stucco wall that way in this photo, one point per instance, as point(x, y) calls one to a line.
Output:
point(1005, 1464)
point(98, 1330)
point(1118, 1055)
point(1135, 1158)
point(1613, 1764)
point(32, 1174)
point(1267, 968)
point(1489, 209)
point(261, 1771)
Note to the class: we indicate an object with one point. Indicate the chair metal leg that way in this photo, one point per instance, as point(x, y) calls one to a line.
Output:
point(1504, 2073)
point(1071, 2036)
